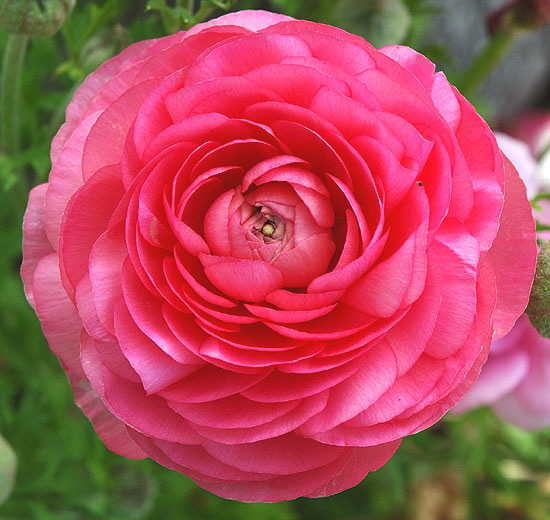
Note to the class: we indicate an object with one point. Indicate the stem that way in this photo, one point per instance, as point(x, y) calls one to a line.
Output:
point(10, 92)
point(485, 62)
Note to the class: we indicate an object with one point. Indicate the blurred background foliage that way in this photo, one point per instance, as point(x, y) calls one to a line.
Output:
point(53, 466)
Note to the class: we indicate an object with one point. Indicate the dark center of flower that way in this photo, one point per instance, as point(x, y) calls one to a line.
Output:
point(268, 228)
point(265, 225)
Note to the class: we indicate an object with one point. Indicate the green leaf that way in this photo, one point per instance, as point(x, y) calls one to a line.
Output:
point(8, 465)
point(380, 22)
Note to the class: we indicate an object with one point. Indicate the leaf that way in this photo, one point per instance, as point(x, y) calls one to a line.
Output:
point(380, 22)
point(8, 465)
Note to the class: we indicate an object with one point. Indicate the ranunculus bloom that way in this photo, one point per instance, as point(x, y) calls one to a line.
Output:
point(268, 251)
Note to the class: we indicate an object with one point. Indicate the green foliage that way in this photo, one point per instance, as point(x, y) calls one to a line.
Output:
point(485, 468)
point(182, 15)
point(381, 22)
point(8, 465)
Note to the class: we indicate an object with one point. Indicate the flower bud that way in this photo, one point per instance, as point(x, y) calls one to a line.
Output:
point(538, 309)
point(519, 15)
point(35, 18)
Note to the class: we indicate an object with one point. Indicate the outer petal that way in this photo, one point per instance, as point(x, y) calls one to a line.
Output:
point(35, 241)
point(112, 432)
point(513, 254)
point(251, 20)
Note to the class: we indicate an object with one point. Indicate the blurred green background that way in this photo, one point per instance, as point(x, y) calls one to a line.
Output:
point(466, 467)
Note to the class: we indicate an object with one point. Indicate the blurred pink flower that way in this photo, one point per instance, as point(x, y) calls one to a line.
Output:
point(515, 381)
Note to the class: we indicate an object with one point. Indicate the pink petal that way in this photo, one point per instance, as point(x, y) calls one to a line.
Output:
point(147, 312)
point(98, 197)
point(356, 393)
point(280, 386)
point(147, 414)
point(513, 253)
point(241, 55)
point(277, 427)
point(253, 20)
point(512, 409)
point(278, 456)
point(248, 280)
point(88, 93)
point(105, 141)
point(105, 264)
point(292, 301)
point(294, 316)
point(499, 376)
point(192, 389)
point(391, 283)
point(35, 241)
point(370, 458)
point(233, 412)
point(156, 369)
point(65, 178)
point(111, 431)
point(51, 302)
point(309, 259)
point(296, 84)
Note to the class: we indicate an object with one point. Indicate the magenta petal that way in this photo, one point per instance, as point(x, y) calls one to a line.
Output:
point(147, 414)
point(500, 375)
point(291, 301)
point(51, 302)
point(280, 386)
point(105, 141)
point(362, 461)
point(98, 197)
point(282, 455)
point(35, 241)
point(309, 259)
point(65, 178)
point(295, 316)
point(233, 412)
point(513, 255)
point(112, 431)
point(282, 425)
point(512, 409)
point(331, 478)
point(241, 55)
point(382, 291)
point(106, 260)
point(248, 280)
point(356, 393)
point(251, 20)
point(192, 389)
point(156, 369)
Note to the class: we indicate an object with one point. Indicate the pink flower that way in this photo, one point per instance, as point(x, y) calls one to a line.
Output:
point(534, 129)
point(268, 251)
point(515, 381)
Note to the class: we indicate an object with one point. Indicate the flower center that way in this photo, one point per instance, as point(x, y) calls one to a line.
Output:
point(268, 228)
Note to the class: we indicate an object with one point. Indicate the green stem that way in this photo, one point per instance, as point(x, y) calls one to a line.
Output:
point(10, 92)
point(486, 61)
